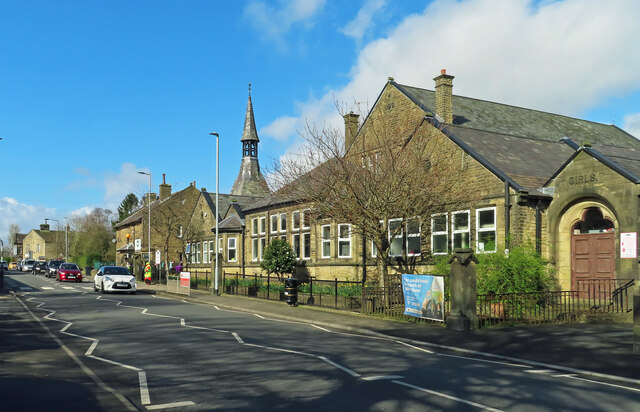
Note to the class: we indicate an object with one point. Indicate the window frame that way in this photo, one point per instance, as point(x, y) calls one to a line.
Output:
point(295, 227)
point(440, 233)
point(412, 235)
point(306, 243)
point(392, 237)
point(283, 219)
point(254, 226)
point(234, 249)
point(343, 240)
point(455, 231)
point(205, 252)
point(296, 238)
point(254, 249)
point(273, 219)
point(262, 225)
point(324, 241)
point(494, 229)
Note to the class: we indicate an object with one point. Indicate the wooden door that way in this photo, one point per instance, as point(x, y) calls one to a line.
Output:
point(592, 257)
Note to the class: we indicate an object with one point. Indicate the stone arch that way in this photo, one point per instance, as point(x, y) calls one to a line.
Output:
point(575, 217)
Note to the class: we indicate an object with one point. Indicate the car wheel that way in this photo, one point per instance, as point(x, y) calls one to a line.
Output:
point(95, 288)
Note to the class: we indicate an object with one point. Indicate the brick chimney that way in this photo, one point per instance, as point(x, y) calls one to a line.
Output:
point(444, 92)
point(350, 128)
point(165, 189)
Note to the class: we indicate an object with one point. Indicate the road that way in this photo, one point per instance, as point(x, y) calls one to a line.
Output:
point(142, 352)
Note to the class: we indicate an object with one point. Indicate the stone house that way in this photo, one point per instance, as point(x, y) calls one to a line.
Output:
point(43, 244)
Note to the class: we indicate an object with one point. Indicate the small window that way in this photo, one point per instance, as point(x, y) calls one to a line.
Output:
point(344, 240)
point(486, 229)
point(263, 225)
point(283, 222)
point(254, 249)
point(231, 249)
point(254, 226)
point(198, 251)
point(274, 223)
point(374, 250)
point(413, 237)
point(326, 241)
point(295, 243)
point(263, 245)
point(295, 220)
point(460, 229)
point(205, 252)
point(212, 249)
point(439, 235)
point(396, 236)
point(306, 245)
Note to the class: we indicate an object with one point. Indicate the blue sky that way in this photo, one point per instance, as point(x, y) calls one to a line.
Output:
point(93, 91)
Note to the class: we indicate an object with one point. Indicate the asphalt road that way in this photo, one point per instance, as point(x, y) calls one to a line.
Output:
point(142, 352)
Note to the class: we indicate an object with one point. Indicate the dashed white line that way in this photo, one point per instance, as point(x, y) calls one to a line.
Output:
point(379, 378)
point(349, 371)
point(517, 365)
point(47, 288)
point(238, 338)
point(321, 328)
point(415, 347)
point(144, 388)
point(169, 405)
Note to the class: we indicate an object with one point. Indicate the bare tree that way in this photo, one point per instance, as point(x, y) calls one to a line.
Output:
point(393, 175)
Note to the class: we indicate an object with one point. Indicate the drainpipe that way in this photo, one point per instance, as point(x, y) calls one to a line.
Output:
point(507, 216)
point(364, 257)
point(243, 247)
point(538, 229)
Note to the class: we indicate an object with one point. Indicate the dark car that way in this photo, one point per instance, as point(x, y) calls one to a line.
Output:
point(52, 268)
point(40, 267)
point(69, 271)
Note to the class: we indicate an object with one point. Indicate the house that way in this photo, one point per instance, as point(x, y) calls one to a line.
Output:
point(569, 185)
point(43, 244)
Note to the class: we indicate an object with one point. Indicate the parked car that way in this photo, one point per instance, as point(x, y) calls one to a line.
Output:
point(52, 267)
point(4, 265)
point(27, 265)
point(39, 267)
point(69, 271)
point(13, 266)
point(114, 279)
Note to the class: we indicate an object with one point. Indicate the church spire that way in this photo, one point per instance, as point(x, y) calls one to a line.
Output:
point(250, 181)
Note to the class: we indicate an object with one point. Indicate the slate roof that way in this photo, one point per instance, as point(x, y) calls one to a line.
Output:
point(523, 145)
point(232, 223)
point(226, 200)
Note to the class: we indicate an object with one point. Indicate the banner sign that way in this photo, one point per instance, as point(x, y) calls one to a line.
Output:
point(424, 296)
point(185, 279)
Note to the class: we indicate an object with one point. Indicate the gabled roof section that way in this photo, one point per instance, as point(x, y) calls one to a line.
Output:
point(624, 161)
point(505, 119)
point(226, 201)
point(232, 223)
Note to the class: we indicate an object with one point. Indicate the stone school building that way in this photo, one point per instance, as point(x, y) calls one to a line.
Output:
point(569, 185)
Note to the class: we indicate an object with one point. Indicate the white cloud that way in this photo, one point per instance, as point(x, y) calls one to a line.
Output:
point(118, 185)
point(281, 128)
point(26, 216)
point(275, 22)
point(562, 56)
point(632, 124)
point(357, 27)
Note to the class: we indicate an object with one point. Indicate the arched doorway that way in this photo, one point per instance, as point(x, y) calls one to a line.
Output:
point(593, 253)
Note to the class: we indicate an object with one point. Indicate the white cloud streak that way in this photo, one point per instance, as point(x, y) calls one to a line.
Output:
point(357, 27)
point(562, 57)
point(632, 124)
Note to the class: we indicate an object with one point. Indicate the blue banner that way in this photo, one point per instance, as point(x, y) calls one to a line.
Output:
point(424, 296)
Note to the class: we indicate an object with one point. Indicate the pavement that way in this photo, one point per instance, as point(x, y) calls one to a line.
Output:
point(603, 351)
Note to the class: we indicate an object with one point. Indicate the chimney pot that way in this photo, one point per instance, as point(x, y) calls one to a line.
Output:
point(443, 71)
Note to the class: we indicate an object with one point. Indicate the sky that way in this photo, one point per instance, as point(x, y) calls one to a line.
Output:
point(91, 92)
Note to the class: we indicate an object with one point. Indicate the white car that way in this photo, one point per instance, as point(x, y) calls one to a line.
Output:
point(114, 279)
point(27, 265)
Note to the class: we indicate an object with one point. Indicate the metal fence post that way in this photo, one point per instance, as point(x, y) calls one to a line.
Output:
point(336, 294)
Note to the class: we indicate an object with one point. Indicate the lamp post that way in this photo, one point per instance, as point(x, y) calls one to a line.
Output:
point(55, 220)
point(66, 240)
point(149, 202)
point(215, 278)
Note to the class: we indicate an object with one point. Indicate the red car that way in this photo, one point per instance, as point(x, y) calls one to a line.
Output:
point(69, 271)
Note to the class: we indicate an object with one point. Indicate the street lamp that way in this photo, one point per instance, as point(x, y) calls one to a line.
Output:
point(215, 278)
point(58, 229)
point(149, 202)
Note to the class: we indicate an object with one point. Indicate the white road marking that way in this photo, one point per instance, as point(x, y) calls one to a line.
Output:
point(144, 388)
point(379, 378)
point(238, 338)
point(349, 371)
point(517, 365)
point(91, 348)
point(255, 314)
point(321, 328)
point(539, 371)
point(133, 368)
point(47, 288)
point(169, 405)
point(605, 383)
point(477, 405)
point(182, 300)
point(415, 347)
point(68, 287)
point(280, 349)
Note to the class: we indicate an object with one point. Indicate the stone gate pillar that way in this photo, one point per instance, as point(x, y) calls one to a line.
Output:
point(463, 291)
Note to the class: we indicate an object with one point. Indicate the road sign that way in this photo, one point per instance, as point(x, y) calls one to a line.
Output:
point(138, 245)
point(157, 257)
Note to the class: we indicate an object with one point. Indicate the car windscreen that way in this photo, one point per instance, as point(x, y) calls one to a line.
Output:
point(69, 266)
point(116, 271)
